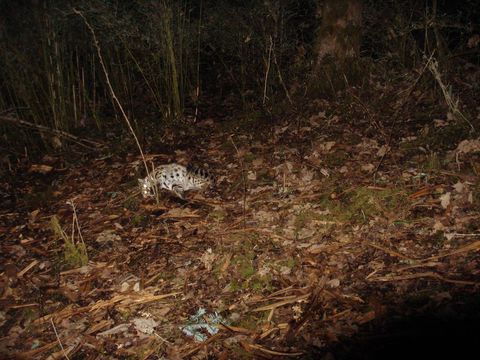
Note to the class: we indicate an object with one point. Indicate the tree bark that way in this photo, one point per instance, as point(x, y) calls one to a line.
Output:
point(337, 43)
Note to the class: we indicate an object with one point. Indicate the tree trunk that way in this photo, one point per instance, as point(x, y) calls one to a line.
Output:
point(337, 44)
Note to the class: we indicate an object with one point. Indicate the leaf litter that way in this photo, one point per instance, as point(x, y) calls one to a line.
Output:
point(297, 247)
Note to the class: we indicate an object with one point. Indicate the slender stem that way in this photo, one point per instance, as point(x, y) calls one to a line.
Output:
point(244, 180)
point(58, 339)
point(110, 87)
point(267, 71)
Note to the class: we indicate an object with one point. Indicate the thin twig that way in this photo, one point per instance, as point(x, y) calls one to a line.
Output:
point(280, 77)
point(258, 348)
point(397, 111)
point(75, 220)
point(110, 87)
point(267, 71)
point(452, 103)
point(392, 252)
point(58, 339)
point(169, 343)
point(45, 129)
point(244, 179)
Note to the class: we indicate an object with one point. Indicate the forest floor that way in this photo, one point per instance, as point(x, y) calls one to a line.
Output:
point(324, 226)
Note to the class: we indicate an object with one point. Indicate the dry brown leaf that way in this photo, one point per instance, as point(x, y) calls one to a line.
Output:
point(180, 213)
point(445, 200)
point(41, 168)
point(257, 162)
point(207, 258)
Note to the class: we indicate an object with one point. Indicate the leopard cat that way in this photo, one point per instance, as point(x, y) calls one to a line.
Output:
point(175, 178)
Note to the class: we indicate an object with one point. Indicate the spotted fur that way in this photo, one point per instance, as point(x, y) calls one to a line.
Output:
point(175, 178)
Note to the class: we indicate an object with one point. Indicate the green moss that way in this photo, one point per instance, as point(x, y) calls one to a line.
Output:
point(75, 255)
point(260, 284)
point(244, 273)
point(290, 263)
point(362, 204)
point(132, 203)
point(138, 220)
point(235, 285)
point(217, 215)
point(249, 157)
point(365, 203)
point(337, 158)
point(245, 267)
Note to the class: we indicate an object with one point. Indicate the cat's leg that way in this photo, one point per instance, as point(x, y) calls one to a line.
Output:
point(178, 190)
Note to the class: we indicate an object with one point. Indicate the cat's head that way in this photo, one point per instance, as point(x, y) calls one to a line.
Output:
point(146, 188)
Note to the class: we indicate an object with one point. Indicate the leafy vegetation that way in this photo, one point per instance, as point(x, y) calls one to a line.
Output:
point(75, 252)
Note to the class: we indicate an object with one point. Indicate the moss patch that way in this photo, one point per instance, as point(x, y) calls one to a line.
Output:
point(361, 204)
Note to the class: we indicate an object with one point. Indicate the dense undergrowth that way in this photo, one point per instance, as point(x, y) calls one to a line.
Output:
point(173, 62)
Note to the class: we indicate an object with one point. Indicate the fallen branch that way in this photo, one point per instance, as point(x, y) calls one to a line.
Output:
point(235, 329)
point(198, 347)
point(260, 349)
point(125, 300)
point(288, 300)
point(475, 246)
point(429, 274)
point(42, 128)
point(463, 249)
point(28, 268)
point(392, 252)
